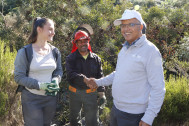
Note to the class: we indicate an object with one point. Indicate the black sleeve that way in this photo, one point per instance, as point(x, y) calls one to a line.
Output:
point(74, 77)
point(100, 74)
point(58, 72)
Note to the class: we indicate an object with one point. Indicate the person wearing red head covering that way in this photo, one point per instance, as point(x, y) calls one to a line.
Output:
point(79, 36)
point(82, 63)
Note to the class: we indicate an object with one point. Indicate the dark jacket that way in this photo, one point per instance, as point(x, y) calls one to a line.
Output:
point(22, 65)
point(77, 67)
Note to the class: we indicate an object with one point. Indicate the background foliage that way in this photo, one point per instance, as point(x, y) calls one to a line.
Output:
point(167, 27)
point(9, 102)
point(176, 102)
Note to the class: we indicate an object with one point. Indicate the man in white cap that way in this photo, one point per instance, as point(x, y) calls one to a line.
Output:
point(138, 86)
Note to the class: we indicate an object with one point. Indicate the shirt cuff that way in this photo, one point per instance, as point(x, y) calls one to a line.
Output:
point(148, 119)
point(39, 83)
point(98, 82)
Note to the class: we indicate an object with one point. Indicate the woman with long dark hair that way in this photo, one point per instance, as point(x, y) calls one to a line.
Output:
point(38, 73)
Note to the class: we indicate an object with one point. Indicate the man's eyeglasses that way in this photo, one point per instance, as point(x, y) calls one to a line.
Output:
point(130, 25)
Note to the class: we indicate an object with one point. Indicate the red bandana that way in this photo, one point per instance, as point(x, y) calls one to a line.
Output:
point(80, 35)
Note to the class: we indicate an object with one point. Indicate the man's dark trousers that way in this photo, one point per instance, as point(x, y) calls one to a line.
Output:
point(120, 118)
point(89, 103)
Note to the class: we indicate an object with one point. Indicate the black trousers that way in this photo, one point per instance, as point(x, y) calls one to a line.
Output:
point(87, 101)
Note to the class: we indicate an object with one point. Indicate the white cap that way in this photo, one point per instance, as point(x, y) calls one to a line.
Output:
point(129, 14)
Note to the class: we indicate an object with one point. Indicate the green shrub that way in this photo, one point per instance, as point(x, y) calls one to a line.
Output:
point(107, 68)
point(6, 77)
point(176, 102)
point(3, 103)
point(105, 116)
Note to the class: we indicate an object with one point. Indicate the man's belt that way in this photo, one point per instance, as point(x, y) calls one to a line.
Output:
point(72, 89)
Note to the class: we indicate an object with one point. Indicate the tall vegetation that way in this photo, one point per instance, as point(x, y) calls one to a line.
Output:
point(175, 107)
point(6, 73)
point(7, 85)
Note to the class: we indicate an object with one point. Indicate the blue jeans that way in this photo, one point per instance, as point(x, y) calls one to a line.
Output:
point(37, 110)
point(87, 101)
point(120, 118)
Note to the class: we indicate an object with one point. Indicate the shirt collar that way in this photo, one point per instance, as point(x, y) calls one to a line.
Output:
point(127, 45)
point(90, 54)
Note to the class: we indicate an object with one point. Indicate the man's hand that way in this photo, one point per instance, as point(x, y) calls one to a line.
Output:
point(143, 123)
point(90, 82)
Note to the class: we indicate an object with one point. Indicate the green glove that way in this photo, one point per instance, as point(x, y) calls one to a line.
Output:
point(48, 86)
point(48, 93)
point(53, 87)
point(55, 81)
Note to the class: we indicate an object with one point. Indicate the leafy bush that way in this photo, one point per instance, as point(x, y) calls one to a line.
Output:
point(183, 52)
point(7, 87)
point(3, 101)
point(6, 64)
point(176, 102)
point(177, 68)
point(105, 116)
